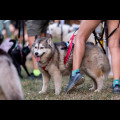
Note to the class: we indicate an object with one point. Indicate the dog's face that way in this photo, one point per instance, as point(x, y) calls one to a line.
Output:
point(42, 49)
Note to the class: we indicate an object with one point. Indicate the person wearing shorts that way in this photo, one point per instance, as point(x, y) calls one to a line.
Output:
point(36, 27)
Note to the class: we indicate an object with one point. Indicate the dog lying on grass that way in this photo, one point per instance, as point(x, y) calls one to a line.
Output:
point(50, 57)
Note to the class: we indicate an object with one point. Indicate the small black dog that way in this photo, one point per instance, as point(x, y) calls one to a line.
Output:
point(1, 38)
point(19, 57)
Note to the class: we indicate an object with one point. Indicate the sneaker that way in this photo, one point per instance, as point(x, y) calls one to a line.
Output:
point(116, 89)
point(76, 80)
point(32, 76)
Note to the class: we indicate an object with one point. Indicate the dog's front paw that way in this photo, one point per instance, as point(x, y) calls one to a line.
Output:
point(91, 88)
point(97, 91)
point(57, 93)
point(42, 92)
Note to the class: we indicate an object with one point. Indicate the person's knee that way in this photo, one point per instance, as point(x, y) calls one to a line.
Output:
point(80, 40)
point(113, 46)
point(113, 41)
point(31, 41)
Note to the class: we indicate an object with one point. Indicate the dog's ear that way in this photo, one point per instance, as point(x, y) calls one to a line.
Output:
point(49, 35)
point(33, 44)
point(49, 41)
point(36, 37)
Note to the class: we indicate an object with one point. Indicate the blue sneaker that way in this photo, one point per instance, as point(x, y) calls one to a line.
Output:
point(116, 89)
point(116, 86)
point(76, 80)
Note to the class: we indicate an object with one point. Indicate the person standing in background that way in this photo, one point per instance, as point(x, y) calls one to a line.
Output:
point(36, 27)
point(85, 29)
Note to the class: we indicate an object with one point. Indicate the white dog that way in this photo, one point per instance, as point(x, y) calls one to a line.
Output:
point(90, 39)
point(55, 30)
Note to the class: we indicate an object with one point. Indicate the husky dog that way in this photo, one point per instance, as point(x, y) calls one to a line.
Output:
point(10, 87)
point(50, 57)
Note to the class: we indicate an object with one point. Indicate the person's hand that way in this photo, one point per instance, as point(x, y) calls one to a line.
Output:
point(4, 32)
point(11, 28)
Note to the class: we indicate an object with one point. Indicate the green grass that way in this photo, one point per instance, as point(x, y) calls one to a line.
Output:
point(31, 89)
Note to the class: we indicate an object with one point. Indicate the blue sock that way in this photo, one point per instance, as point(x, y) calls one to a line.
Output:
point(74, 72)
point(116, 82)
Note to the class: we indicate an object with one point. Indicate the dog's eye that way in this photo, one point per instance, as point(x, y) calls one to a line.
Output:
point(41, 47)
point(35, 47)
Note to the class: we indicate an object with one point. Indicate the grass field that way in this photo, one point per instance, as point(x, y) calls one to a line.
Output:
point(31, 90)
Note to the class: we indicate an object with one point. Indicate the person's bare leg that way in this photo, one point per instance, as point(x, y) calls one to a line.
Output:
point(42, 35)
point(119, 44)
point(86, 28)
point(113, 44)
point(31, 41)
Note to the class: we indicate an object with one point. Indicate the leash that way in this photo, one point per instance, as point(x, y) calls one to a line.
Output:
point(72, 38)
point(21, 30)
point(70, 48)
point(99, 39)
point(113, 31)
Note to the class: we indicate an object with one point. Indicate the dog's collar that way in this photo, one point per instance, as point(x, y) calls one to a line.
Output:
point(44, 68)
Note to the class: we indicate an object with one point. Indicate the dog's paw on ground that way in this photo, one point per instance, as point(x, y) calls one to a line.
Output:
point(42, 92)
point(97, 91)
point(91, 88)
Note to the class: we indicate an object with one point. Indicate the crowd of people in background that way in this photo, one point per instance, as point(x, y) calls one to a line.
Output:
point(24, 31)
point(61, 30)
point(10, 29)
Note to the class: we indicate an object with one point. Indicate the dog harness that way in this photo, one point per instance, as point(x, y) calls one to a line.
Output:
point(45, 68)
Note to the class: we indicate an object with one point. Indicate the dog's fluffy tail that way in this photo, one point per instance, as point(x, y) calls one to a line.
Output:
point(9, 81)
point(13, 46)
point(106, 67)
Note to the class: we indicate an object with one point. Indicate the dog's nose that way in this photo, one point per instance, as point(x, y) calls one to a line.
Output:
point(36, 53)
